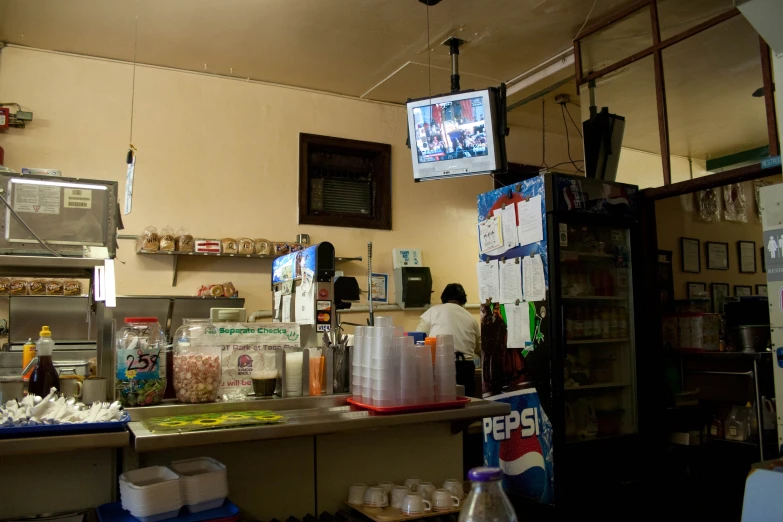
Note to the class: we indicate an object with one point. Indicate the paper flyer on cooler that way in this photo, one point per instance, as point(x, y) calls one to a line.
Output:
point(305, 304)
point(487, 272)
point(490, 234)
point(531, 227)
point(518, 324)
point(510, 281)
point(533, 279)
point(508, 222)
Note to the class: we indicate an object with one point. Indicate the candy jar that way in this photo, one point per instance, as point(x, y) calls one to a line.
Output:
point(140, 362)
point(197, 370)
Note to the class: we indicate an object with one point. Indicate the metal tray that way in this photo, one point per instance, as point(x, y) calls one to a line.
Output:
point(65, 429)
point(460, 402)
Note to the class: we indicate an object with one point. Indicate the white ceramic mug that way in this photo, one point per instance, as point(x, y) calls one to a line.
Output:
point(442, 499)
point(375, 497)
point(411, 483)
point(455, 487)
point(398, 494)
point(71, 387)
point(426, 489)
point(93, 389)
point(414, 504)
point(387, 486)
point(356, 494)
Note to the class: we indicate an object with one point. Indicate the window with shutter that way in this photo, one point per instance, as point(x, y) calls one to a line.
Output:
point(344, 183)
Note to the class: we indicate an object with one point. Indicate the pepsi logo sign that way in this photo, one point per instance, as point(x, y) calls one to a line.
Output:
point(501, 428)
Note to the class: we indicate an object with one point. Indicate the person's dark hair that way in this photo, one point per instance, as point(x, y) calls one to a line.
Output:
point(454, 292)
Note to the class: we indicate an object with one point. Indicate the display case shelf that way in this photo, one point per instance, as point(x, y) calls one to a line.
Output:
point(594, 298)
point(597, 386)
point(597, 341)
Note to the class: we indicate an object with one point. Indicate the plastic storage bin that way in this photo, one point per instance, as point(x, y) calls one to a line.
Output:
point(151, 494)
point(204, 483)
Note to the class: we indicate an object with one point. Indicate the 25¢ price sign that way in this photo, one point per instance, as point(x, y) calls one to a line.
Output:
point(138, 363)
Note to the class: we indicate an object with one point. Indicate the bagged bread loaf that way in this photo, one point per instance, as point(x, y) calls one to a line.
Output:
point(296, 247)
point(17, 287)
point(54, 287)
point(5, 283)
point(246, 246)
point(148, 240)
point(183, 240)
point(229, 245)
point(229, 290)
point(279, 249)
point(263, 247)
point(167, 243)
point(72, 287)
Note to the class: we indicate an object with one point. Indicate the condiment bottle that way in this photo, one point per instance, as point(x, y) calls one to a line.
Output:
point(28, 353)
point(44, 375)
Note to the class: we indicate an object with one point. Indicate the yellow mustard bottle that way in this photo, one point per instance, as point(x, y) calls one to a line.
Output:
point(28, 352)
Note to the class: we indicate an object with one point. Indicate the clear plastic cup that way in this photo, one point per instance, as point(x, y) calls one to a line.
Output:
point(384, 363)
point(383, 321)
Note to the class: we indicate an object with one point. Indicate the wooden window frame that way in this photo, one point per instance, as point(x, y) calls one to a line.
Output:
point(656, 50)
point(381, 194)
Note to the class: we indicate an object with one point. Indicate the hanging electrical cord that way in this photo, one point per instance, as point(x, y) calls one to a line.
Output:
point(568, 139)
point(543, 134)
point(30, 230)
point(572, 121)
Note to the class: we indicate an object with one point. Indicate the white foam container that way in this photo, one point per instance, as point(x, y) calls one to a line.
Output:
point(151, 494)
point(204, 483)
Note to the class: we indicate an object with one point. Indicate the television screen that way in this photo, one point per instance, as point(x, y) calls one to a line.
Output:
point(454, 135)
point(450, 130)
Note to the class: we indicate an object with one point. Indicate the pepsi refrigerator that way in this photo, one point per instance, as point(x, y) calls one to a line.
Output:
point(573, 382)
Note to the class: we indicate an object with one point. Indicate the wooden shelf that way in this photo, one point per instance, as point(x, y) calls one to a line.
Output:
point(596, 341)
point(175, 256)
point(598, 386)
point(593, 298)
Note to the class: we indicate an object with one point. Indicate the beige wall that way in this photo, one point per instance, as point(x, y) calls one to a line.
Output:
point(220, 157)
point(673, 223)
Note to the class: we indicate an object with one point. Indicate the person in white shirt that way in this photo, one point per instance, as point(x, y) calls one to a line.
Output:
point(451, 318)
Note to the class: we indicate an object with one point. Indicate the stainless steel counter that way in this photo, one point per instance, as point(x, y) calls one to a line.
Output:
point(304, 416)
point(62, 443)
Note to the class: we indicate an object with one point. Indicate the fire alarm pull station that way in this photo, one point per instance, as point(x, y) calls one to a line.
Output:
point(5, 116)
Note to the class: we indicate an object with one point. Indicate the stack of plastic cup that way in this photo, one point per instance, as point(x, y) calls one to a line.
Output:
point(444, 370)
point(424, 367)
point(356, 363)
point(384, 368)
point(369, 335)
point(409, 371)
point(293, 373)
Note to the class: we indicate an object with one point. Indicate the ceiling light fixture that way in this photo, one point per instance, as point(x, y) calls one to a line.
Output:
point(430, 3)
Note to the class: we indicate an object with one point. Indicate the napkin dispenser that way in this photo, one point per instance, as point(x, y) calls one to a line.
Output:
point(412, 286)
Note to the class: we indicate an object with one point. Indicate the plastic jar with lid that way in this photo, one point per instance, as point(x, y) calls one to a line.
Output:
point(197, 370)
point(140, 362)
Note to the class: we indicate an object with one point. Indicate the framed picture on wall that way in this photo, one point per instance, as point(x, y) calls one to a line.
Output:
point(720, 291)
point(742, 290)
point(763, 260)
point(690, 252)
point(761, 290)
point(717, 255)
point(696, 290)
point(746, 253)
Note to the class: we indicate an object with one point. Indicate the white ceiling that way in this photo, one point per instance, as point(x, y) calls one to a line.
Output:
point(375, 49)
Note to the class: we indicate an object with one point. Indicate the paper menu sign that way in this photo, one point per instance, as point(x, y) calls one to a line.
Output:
point(488, 280)
point(490, 234)
point(286, 312)
point(508, 221)
point(278, 299)
point(305, 304)
point(518, 325)
point(533, 283)
point(531, 225)
point(510, 288)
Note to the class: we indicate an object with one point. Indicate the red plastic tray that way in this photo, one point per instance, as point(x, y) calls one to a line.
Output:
point(460, 402)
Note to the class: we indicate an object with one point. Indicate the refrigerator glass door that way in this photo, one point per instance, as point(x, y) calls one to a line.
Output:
point(597, 295)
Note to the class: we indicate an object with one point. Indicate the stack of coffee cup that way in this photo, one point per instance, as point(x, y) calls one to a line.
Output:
point(357, 368)
point(445, 371)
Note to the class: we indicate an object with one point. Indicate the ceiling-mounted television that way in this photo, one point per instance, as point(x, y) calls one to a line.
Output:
point(457, 134)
